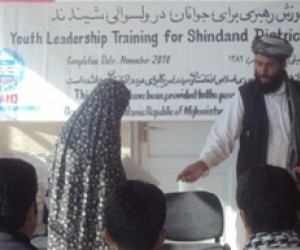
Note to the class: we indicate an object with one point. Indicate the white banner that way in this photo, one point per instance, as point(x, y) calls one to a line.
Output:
point(181, 60)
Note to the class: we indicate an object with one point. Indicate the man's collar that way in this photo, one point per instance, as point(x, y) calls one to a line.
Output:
point(279, 91)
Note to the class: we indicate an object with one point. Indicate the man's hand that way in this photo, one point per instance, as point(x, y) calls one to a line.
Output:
point(297, 169)
point(193, 172)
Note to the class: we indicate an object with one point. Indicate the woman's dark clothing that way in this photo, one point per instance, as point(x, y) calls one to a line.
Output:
point(85, 166)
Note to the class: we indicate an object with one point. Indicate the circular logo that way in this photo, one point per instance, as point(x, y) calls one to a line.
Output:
point(12, 69)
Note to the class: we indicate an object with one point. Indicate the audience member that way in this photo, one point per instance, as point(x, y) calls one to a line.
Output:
point(134, 216)
point(18, 189)
point(267, 199)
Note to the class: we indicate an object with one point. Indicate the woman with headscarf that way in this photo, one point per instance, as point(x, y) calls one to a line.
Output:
point(85, 166)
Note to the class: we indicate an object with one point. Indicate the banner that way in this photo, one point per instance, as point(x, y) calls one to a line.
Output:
point(181, 60)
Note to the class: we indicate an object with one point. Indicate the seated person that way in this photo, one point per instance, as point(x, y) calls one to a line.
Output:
point(18, 189)
point(134, 216)
point(267, 199)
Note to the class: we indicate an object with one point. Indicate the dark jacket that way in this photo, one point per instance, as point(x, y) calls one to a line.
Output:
point(15, 241)
point(254, 136)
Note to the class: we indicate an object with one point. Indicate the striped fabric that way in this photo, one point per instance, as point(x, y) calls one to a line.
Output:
point(273, 240)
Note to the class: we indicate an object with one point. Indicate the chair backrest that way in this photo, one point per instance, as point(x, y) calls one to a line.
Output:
point(193, 216)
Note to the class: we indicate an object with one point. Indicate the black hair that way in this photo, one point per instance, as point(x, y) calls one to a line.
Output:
point(268, 197)
point(134, 215)
point(18, 188)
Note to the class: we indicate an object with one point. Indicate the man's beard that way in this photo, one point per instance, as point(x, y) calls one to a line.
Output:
point(273, 84)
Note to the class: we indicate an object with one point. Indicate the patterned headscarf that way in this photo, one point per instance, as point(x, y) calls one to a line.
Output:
point(85, 166)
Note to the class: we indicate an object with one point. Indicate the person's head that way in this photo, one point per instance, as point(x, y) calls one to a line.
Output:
point(271, 54)
point(134, 216)
point(267, 199)
point(18, 189)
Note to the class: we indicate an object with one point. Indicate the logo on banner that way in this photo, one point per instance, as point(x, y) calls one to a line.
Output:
point(12, 69)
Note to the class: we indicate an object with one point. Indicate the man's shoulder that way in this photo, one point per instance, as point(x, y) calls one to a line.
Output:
point(248, 84)
point(292, 79)
point(248, 88)
point(16, 245)
point(295, 83)
point(15, 241)
point(279, 248)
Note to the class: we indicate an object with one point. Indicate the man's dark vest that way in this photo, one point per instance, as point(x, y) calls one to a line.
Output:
point(254, 136)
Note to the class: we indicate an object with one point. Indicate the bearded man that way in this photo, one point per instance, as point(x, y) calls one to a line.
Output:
point(264, 114)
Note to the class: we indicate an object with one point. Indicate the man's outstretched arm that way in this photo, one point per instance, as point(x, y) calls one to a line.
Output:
point(193, 171)
point(219, 143)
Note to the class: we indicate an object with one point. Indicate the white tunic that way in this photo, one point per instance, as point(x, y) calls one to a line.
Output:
point(228, 127)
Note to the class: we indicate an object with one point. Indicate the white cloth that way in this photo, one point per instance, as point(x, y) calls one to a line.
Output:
point(135, 172)
point(228, 127)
